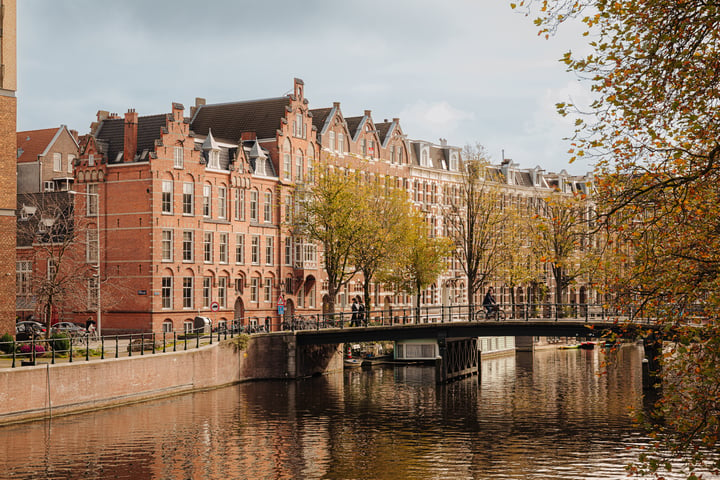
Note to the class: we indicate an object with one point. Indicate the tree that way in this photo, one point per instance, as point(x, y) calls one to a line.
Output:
point(559, 237)
point(56, 239)
point(653, 130)
point(381, 225)
point(419, 260)
point(329, 214)
point(476, 220)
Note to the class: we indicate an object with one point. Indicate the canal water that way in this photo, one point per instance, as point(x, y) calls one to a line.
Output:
point(554, 414)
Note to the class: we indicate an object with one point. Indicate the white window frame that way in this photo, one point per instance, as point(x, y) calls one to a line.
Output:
point(166, 248)
point(187, 292)
point(57, 162)
point(269, 250)
point(207, 247)
point(188, 198)
point(167, 197)
point(239, 248)
point(188, 246)
point(222, 202)
point(223, 248)
point(166, 290)
point(178, 157)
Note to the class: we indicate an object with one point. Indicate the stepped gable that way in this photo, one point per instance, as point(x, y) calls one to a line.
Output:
point(111, 135)
point(229, 120)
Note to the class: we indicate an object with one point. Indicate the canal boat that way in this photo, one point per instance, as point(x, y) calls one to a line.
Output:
point(569, 347)
point(587, 345)
point(352, 363)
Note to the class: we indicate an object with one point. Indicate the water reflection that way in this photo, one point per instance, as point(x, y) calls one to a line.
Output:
point(554, 414)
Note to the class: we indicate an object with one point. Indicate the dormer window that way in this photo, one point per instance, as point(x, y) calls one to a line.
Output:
point(214, 160)
point(454, 162)
point(424, 158)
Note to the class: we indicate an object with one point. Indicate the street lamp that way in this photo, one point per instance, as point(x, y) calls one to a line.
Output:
point(97, 239)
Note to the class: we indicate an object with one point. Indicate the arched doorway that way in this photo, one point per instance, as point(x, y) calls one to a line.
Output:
point(239, 311)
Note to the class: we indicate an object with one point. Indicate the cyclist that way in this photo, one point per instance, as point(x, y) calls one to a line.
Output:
point(489, 302)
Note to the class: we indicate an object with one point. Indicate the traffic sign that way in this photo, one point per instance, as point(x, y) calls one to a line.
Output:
point(281, 301)
point(281, 309)
point(214, 306)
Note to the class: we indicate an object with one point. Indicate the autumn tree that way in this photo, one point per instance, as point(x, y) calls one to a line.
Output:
point(382, 222)
point(559, 236)
point(475, 221)
point(652, 130)
point(419, 260)
point(329, 213)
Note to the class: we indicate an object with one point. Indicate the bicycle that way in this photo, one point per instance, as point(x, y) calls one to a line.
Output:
point(495, 312)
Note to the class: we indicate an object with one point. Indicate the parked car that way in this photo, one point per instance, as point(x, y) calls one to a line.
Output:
point(29, 329)
point(70, 328)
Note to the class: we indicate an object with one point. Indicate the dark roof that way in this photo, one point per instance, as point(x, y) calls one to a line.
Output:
point(353, 123)
point(229, 120)
point(111, 135)
point(382, 130)
point(319, 117)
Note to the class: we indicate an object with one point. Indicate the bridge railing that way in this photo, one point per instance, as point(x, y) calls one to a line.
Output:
point(451, 313)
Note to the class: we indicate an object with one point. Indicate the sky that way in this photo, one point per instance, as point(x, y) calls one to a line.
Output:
point(469, 71)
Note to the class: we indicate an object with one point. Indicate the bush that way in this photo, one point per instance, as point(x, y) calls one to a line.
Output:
point(60, 342)
point(26, 348)
point(7, 343)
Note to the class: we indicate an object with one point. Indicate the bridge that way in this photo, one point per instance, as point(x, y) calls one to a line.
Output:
point(456, 334)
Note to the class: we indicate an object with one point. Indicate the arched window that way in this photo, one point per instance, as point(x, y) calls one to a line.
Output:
point(299, 161)
point(310, 158)
point(287, 160)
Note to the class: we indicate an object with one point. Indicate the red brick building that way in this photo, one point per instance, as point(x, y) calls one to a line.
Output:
point(8, 116)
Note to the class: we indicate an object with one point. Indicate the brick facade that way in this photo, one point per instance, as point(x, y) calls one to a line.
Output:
point(8, 116)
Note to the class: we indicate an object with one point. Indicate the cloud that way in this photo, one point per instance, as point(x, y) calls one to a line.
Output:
point(427, 120)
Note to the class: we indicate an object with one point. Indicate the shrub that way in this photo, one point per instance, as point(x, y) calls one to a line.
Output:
point(7, 343)
point(26, 348)
point(60, 342)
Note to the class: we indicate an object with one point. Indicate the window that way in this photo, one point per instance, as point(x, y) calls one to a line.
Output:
point(239, 201)
point(57, 162)
point(301, 299)
point(253, 206)
point(454, 162)
point(400, 155)
point(167, 194)
point(311, 297)
point(207, 192)
point(207, 247)
point(167, 244)
point(187, 292)
point(206, 291)
point(392, 153)
point(222, 291)
point(223, 254)
point(93, 284)
point(310, 156)
point(188, 198)
point(269, 250)
point(288, 209)
point(299, 166)
point(363, 147)
point(254, 284)
point(287, 161)
point(298, 124)
point(267, 207)
point(91, 247)
point(222, 202)
point(288, 250)
point(166, 292)
point(51, 269)
point(167, 326)
point(91, 191)
point(188, 327)
point(239, 248)
point(268, 290)
point(214, 161)
point(188, 246)
point(178, 157)
point(372, 148)
point(341, 143)
point(255, 250)
point(23, 276)
point(331, 140)
point(71, 161)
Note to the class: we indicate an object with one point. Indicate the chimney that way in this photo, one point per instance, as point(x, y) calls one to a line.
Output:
point(131, 131)
point(336, 104)
point(199, 102)
point(248, 136)
point(367, 113)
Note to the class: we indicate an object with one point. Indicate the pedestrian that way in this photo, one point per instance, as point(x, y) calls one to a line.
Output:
point(354, 315)
point(361, 313)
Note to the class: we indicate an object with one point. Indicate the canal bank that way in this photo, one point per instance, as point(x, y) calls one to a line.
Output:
point(49, 390)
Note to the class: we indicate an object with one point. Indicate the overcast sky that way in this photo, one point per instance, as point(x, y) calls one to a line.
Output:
point(465, 70)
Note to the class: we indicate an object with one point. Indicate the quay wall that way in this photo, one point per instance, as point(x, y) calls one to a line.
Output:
point(42, 391)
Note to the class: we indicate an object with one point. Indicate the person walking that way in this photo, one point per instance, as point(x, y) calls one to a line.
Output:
point(361, 314)
point(354, 315)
